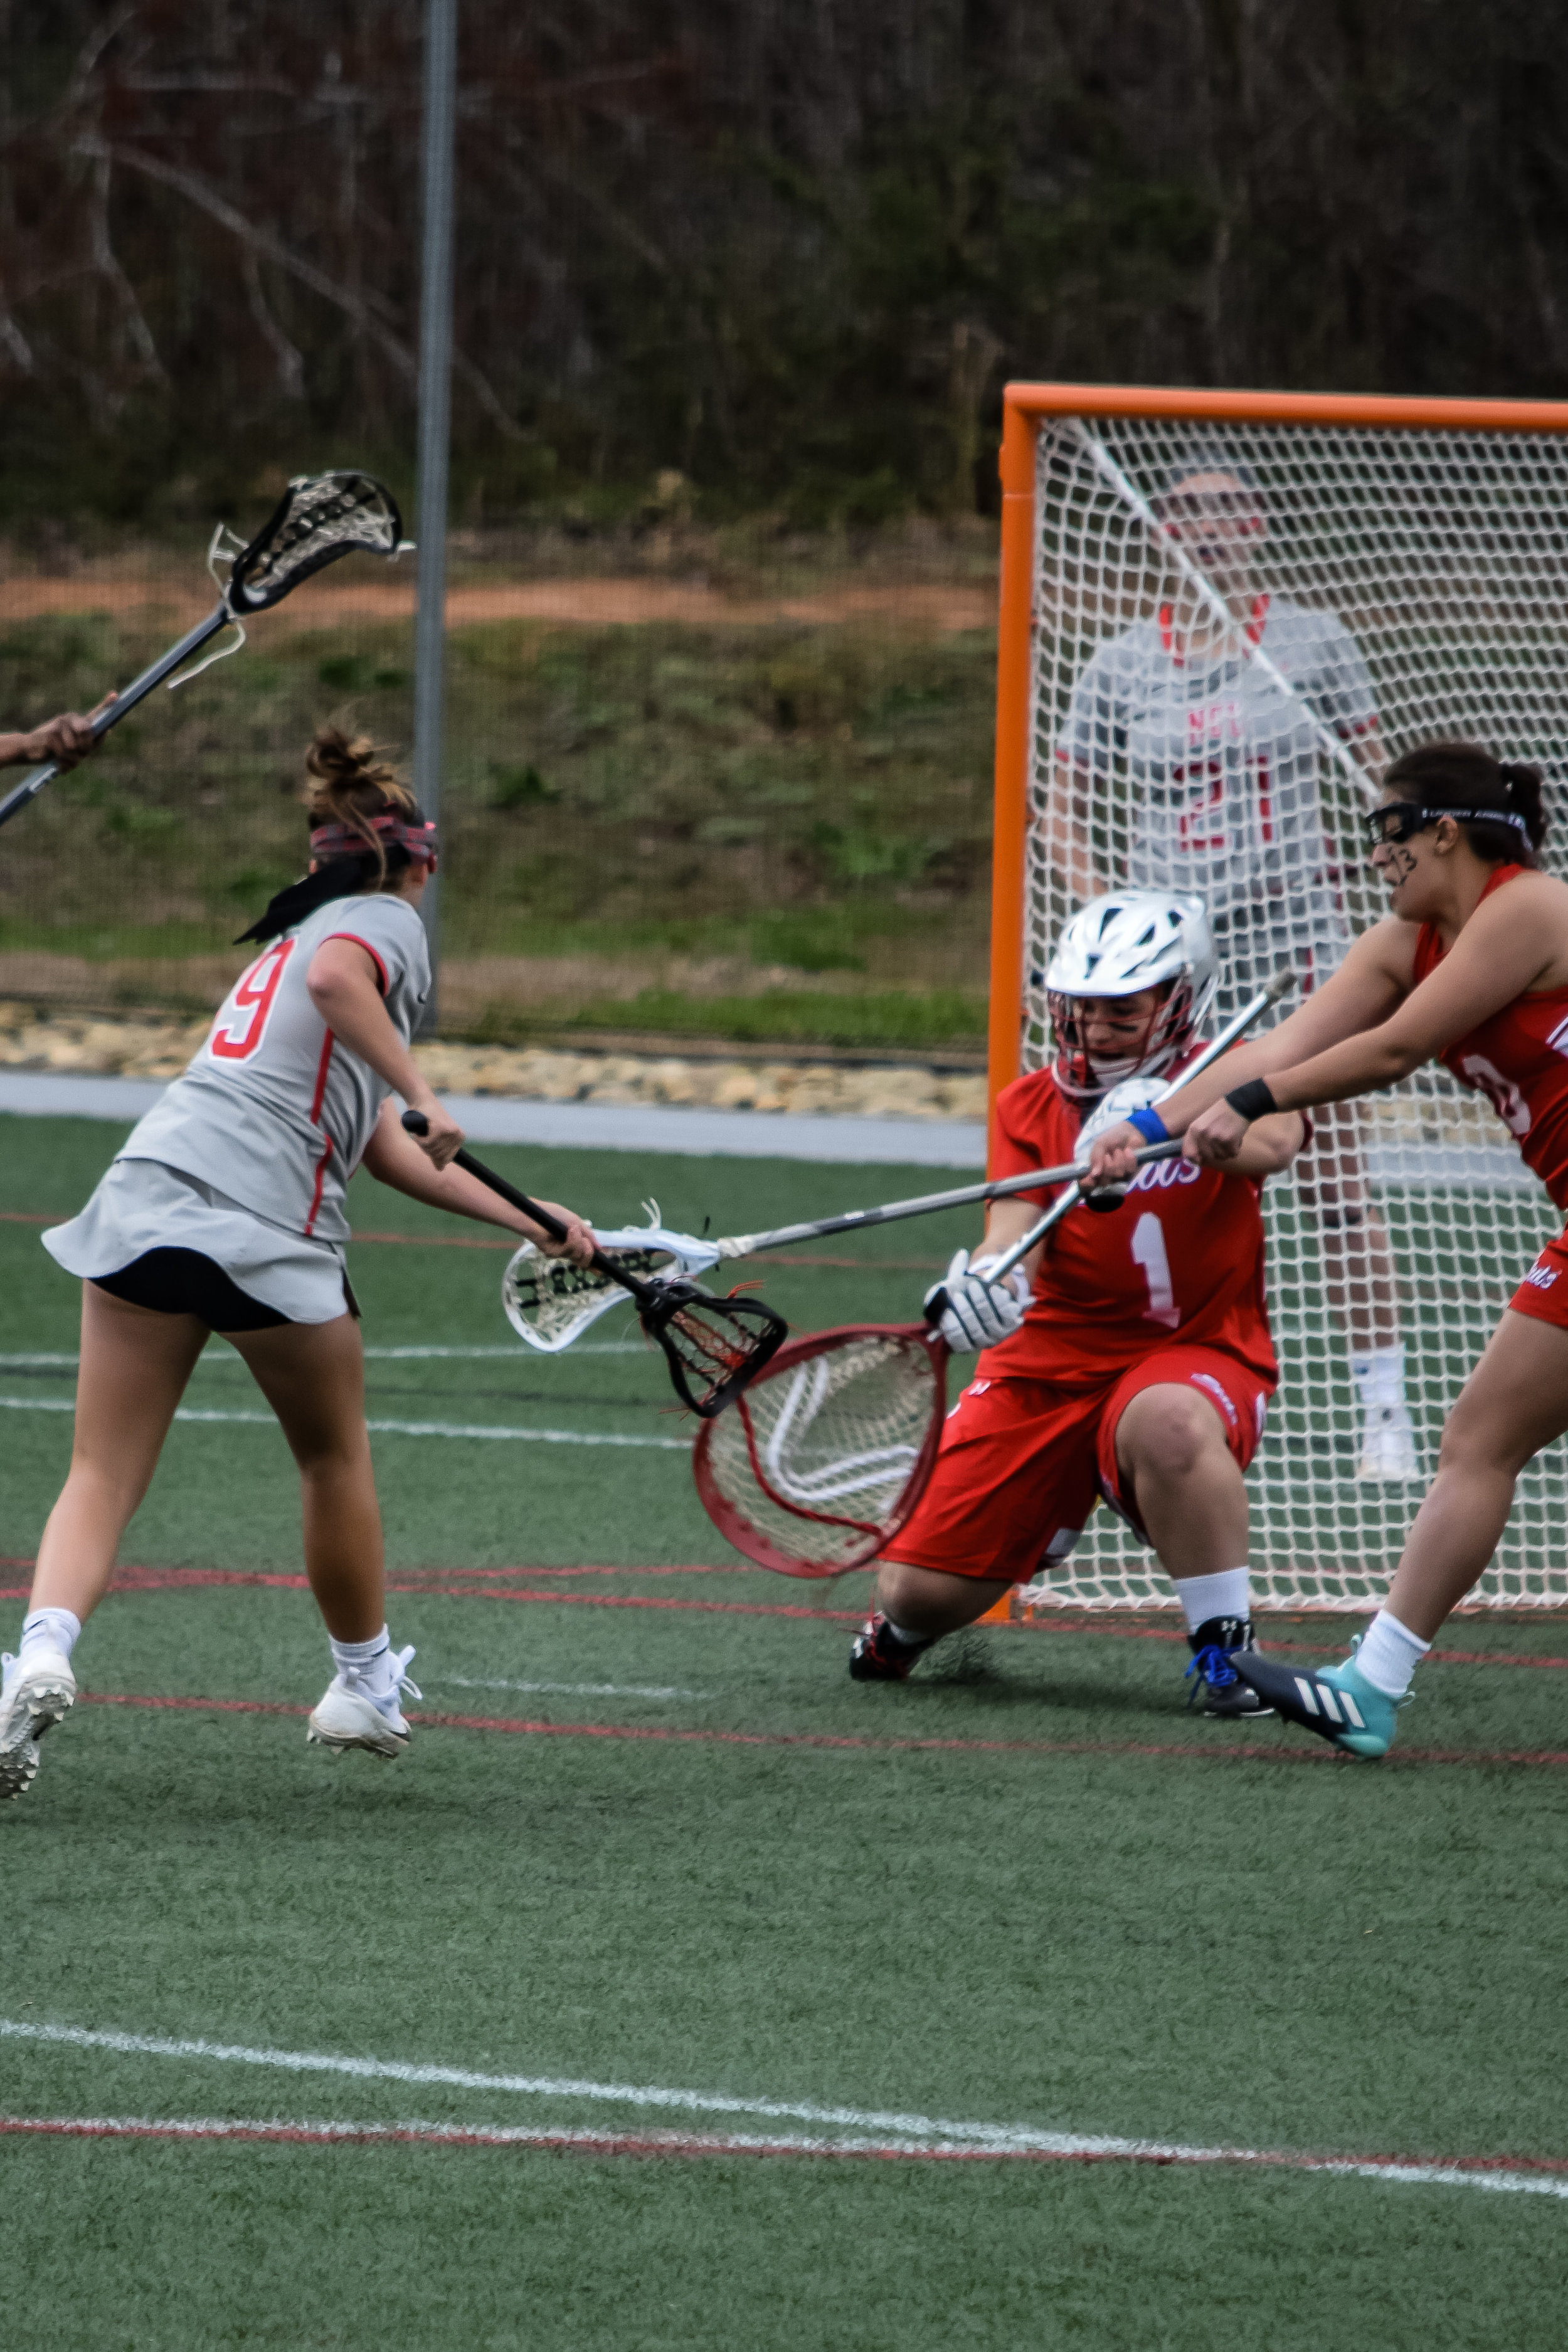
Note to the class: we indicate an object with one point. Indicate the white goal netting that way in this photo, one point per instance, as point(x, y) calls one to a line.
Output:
point(1389, 586)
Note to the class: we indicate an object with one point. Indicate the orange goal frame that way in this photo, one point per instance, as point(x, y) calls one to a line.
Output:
point(1024, 408)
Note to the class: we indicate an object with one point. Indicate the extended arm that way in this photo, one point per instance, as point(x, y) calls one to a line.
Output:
point(64, 740)
point(395, 1158)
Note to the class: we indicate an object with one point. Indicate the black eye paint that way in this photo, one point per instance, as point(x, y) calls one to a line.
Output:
point(1399, 866)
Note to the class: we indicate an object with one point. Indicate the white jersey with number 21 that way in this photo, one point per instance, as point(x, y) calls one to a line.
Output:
point(273, 1110)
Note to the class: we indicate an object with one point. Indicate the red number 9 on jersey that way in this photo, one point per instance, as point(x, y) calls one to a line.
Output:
point(253, 995)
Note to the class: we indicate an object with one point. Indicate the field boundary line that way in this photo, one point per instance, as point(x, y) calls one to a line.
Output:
point(856, 1743)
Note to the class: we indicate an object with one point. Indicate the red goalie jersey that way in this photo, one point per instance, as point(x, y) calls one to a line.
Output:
point(1180, 1263)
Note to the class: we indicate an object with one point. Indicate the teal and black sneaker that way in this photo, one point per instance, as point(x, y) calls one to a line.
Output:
point(1336, 1702)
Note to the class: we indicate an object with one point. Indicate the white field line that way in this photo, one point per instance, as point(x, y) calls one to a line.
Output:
point(878, 2133)
point(572, 1690)
point(389, 1428)
point(41, 1359)
point(608, 2140)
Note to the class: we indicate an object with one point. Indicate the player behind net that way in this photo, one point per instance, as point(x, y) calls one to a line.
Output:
point(224, 1212)
point(1129, 1358)
point(1471, 966)
point(1221, 764)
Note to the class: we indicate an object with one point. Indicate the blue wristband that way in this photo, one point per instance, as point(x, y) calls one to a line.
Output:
point(1150, 1125)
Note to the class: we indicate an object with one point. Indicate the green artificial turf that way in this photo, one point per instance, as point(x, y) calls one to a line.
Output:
point(1067, 1908)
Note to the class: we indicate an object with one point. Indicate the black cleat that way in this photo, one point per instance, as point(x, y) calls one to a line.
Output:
point(877, 1655)
point(1219, 1690)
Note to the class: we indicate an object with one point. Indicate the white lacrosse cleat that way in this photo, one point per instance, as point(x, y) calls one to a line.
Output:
point(349, 1714)
point(36, 1693)
point(1387, 1442)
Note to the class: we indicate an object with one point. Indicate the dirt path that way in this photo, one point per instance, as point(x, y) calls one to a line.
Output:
point(357, 595)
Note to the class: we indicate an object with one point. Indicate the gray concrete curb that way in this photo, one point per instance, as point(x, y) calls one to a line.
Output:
point(581, 1127)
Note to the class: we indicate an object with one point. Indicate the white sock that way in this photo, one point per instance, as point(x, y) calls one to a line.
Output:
point(1389, 1654)
point(1380, 1375)
point(1227, 1594)
point(902, 1633)
point(370, 1663)
point(53, 1629)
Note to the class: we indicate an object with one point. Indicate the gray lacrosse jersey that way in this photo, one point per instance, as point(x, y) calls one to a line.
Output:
point(1220, 766)
point(273, 1110)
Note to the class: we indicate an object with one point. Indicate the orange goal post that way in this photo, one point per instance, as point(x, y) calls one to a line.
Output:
point(1404, 578)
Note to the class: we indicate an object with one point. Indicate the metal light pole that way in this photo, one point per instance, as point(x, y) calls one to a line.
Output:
point(434, 432)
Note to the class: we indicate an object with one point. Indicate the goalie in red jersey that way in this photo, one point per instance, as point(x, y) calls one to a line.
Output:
point(1129, 1358)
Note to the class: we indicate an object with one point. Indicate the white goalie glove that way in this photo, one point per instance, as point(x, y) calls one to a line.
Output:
point(1132, 1094)
point(980, 1311)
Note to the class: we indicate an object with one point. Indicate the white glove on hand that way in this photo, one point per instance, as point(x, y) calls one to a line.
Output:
point(979, 1312)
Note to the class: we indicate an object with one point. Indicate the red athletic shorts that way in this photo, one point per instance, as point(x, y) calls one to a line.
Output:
point(1543, 1293)
point(1022, 1463)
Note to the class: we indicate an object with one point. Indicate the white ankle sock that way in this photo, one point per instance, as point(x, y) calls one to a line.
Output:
point(1389, 1654)
point(902, 1633)
point(1380, 1375)
point(1228, 1593)
point(56, 1629)
point(369, 1662)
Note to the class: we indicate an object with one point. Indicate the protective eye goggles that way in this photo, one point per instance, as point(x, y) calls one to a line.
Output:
point(1395, 821)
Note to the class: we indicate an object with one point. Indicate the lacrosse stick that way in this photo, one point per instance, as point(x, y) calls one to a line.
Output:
point(825, 1457)
point(318, 517)
point(1284, 978)
point(715, 1347)
point(549, 1302)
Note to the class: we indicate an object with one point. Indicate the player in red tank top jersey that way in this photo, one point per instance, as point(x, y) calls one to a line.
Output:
point(1471, 968)
point(1135, 1365)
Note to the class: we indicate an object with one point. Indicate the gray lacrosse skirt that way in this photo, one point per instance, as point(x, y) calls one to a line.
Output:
point(143, 1206)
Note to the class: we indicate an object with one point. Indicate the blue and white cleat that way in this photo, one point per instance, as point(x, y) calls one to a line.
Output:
point(1336, 1702)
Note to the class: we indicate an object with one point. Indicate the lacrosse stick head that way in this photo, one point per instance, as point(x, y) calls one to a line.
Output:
point(318, 517)
point(816, 1467)
point(716, 1346)
point(550, 1302)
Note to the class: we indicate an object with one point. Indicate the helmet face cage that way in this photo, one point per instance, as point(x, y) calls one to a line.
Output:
point(1083, 1076)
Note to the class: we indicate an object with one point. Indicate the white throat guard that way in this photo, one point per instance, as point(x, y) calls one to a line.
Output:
point(1116, 946)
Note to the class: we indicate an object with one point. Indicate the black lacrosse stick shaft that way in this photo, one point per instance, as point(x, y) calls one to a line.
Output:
point(720, 1343)
point(645, 1293)
point(33, 782)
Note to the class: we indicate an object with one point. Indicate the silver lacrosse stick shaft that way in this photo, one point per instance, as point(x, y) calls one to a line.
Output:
point(1284, 978)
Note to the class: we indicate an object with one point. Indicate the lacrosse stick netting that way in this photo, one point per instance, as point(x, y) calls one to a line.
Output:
point(1416, 575)
point(823, 1459)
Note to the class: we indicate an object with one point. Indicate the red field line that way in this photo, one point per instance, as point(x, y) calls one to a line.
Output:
point(664, 1735)
point(1510, 2171)
point(463, 1584)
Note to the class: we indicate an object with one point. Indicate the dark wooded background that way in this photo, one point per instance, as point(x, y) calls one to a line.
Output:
point(787, 249)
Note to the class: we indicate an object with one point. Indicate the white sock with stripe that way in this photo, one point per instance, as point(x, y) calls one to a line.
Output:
point(1227, 1594)
point(50, 1629)
point(369, 1662)
point(1389, 1654)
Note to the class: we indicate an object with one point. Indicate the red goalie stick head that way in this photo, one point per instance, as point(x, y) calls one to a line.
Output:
point(823, 1459)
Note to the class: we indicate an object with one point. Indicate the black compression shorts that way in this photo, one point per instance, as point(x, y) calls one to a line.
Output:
point(184, 1282)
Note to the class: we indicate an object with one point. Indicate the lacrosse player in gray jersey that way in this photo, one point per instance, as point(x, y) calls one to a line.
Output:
point(224, 1212)
point(1220, 764)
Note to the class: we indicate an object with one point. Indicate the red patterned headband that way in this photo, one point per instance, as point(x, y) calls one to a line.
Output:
point(347, 841)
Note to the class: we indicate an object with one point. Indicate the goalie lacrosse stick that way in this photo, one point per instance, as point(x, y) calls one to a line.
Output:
point(823, 1459)
point(715, 1347)
point(318, 517)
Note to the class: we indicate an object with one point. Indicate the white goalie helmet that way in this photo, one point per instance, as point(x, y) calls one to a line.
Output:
point(1116, 946)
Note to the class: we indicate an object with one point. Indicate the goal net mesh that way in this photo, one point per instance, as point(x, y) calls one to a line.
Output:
point(1410, 584)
